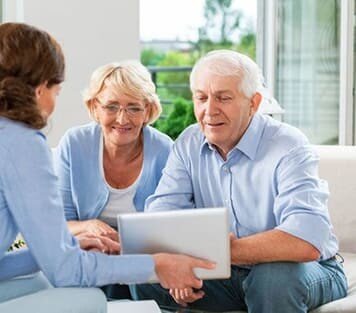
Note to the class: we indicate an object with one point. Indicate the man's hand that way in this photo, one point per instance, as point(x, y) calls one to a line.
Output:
point(186, 295)
point(176, 271)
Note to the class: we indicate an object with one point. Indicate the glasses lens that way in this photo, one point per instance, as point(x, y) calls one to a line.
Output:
point(114, 108)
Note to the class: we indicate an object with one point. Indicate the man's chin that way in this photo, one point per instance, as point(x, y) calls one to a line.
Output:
point(217, 142)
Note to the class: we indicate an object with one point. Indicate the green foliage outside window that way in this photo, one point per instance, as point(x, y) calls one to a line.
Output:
point(175, 83)
point(151, 57)
point(180, 117)
point(18, 244)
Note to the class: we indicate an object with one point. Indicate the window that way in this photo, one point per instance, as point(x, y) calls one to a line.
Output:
point(306, 49)
point(307, 53)
point(307, 68)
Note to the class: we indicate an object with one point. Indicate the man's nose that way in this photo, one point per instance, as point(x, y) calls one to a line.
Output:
point(211, 106)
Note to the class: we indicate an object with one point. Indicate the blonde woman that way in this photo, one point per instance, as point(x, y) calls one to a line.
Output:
point(112, 165)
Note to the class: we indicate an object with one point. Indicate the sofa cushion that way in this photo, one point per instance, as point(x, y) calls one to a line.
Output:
point(338, 167)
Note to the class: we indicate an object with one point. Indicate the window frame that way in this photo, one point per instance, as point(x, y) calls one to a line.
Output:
point(266, 41)
point(12, 11)
point(347, 116)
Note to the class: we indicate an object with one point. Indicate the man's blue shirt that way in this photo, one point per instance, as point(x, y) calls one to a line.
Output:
point(268, 181)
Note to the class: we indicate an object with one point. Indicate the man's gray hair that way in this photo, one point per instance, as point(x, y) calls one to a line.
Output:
point(231, 63)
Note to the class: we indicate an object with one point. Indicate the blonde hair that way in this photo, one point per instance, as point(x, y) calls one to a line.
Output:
point(127, 77)
point(231, 63)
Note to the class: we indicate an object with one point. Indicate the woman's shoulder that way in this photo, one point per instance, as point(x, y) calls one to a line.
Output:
point(83, 132)
point(13, 131)
point(153, 136)
point(29, 141)
point(157, 146)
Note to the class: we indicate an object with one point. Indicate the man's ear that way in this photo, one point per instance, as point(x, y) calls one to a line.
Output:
point(255, 103)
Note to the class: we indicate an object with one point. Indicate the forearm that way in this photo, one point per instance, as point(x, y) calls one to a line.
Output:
point(271, 246)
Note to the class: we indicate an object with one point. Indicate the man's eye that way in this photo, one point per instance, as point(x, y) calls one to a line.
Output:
point(224, 99)
point(201, 98)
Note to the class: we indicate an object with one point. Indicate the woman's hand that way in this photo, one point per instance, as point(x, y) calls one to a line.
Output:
point(186, 295)
point(95, 227)
point(176, 271)
point(111, 246)
point(91, 242)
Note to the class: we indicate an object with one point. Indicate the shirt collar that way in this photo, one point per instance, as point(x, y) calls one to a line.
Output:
point(250, 140)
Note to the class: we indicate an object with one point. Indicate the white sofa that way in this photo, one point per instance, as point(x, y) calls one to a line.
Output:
point(338, 167)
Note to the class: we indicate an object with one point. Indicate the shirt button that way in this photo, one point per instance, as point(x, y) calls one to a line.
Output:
point(226, 169)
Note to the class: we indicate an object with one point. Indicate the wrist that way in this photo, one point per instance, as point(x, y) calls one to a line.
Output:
point(234, 248)
point(74, 227)
point(157, 259)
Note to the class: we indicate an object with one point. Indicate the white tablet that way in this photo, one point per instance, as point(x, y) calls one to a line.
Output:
point(202, 233)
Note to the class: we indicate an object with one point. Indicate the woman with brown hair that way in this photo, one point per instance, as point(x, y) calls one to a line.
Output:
point(31, 70)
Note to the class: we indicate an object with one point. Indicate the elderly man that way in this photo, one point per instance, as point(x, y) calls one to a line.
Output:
point(283, 247)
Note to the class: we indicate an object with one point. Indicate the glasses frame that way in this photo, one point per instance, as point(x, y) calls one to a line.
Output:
point(133, 111)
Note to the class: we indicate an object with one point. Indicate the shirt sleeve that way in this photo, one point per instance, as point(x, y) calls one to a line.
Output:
point(61, 163)
point(300, 206)
point(175, 187)
point(32, 197)
point(17, 263)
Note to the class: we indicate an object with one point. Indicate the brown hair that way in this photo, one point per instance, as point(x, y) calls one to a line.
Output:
point(28, 57)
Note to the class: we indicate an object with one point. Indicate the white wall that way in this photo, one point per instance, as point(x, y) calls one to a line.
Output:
point(92, 33)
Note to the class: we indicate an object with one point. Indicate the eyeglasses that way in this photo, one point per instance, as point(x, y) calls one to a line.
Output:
point(114, 108)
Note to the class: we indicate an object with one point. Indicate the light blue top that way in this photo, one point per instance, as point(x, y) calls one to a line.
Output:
point(269, 181)
point(30, 203)
point(81, 184)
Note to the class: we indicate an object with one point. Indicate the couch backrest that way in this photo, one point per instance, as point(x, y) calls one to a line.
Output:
point(338, 167)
